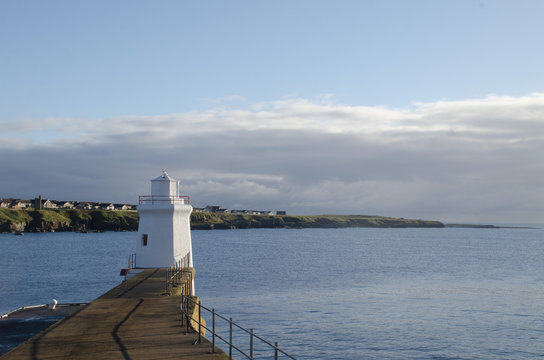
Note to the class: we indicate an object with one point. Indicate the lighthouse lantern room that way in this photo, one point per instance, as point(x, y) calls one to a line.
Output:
point(164, 229)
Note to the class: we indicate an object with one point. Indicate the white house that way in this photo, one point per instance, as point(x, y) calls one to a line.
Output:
point(107, 206)
point(48, 204)
point(64, 204)
point(84, 206)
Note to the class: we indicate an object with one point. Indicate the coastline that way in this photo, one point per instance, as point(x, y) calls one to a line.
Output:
point(487, 226)
point(20, 221)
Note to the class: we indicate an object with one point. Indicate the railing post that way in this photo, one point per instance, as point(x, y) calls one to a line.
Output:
point(213, 330)
point(182, 309)
point(186, 298)
point(251, 344)
point(199, 322)
point(230, 339)
point(187, 314)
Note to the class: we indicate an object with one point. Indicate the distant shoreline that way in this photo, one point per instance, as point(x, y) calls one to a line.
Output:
point(55, 220)
point(209, 221)
point(477, 226)
point(76, 220)
point(52, 220)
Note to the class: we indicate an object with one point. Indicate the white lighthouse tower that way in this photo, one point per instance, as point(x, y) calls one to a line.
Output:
point(164, 230)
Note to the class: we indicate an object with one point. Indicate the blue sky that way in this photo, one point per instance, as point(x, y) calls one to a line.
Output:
point(272, 104)
point(103, 58)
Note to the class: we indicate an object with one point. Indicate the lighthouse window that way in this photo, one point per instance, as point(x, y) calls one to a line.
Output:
point(144, 239)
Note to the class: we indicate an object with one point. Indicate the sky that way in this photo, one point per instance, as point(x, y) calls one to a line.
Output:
point(416, 109)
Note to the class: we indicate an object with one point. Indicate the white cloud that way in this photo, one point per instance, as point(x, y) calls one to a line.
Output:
point(461, 160)
point(500, 115)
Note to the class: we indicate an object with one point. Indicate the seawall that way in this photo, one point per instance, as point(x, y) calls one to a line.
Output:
point(135, 320)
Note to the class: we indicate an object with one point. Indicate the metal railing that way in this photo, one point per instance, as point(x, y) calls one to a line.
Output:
point(175, 277)
point(41, 306)
point(174, 274)
point(187, 301)
point(131, 265)
point(131, 261)
point(164, 199)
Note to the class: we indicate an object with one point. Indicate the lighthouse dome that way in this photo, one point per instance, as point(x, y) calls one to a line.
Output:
point(164, 177)
point(164, 185)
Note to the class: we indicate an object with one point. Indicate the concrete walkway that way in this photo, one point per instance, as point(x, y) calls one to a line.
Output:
point(134, 320)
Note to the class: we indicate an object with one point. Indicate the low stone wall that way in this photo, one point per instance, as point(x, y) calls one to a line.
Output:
point(193, 318)
point(193, 303)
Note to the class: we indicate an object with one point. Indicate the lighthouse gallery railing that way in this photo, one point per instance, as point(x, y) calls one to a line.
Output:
point(164, 199)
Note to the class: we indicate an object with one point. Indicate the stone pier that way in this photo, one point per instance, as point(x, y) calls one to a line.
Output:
point(135, 320)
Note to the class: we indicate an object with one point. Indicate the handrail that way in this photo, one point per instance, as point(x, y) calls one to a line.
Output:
point(174, 277)
point(186, 299)
point(161, 199)
point(175, 273)
point(4, 316)
point(132, 261)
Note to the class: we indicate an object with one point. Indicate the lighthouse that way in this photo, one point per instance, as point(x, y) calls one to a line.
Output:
point(164, 232)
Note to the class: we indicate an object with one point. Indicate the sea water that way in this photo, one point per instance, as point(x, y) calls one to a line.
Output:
point(354, 293)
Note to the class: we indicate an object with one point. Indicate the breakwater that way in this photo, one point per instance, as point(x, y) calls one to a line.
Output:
point(12, 220)
point(135, 320)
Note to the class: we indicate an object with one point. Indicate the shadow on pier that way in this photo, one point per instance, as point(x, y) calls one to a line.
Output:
point(134, 320)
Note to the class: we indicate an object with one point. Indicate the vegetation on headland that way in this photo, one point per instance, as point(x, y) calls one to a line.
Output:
point(12, 220)
point(235, 221)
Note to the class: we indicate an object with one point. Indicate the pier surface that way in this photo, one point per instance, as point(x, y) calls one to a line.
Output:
point(134, 320)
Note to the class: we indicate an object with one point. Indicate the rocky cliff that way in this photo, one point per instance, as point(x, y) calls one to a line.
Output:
point(67, 220)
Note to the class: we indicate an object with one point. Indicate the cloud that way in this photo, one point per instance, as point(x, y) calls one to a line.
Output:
point(472, 160)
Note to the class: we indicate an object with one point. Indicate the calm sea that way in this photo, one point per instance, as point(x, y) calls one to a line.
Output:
point(326, 293)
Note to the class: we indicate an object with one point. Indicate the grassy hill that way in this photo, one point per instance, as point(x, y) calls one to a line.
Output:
point(232, 221)
point(102, 220)
point(67, 220)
